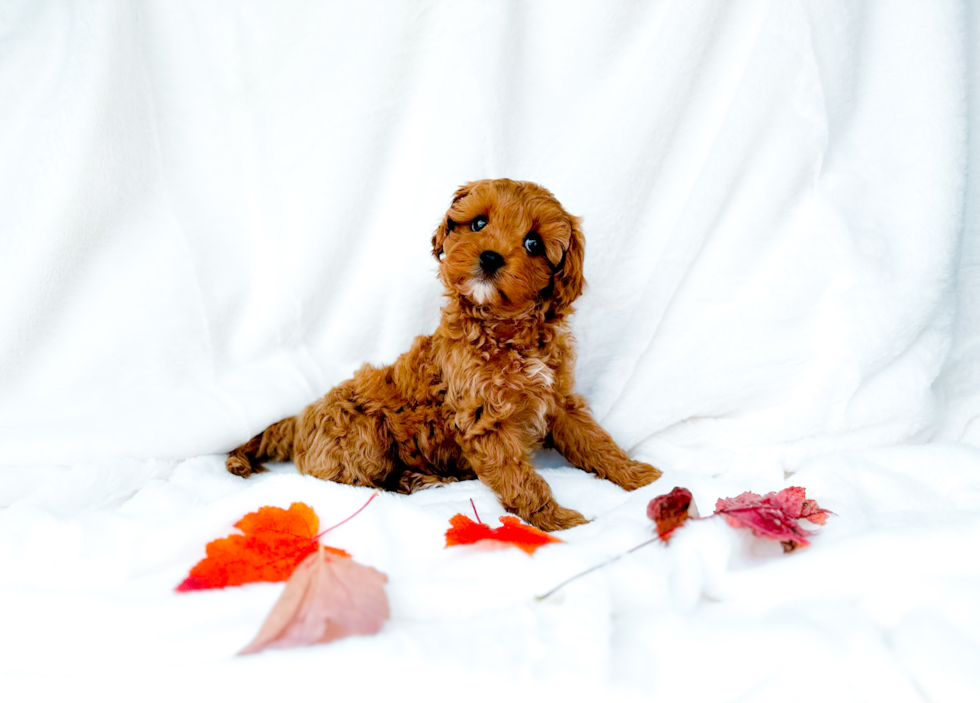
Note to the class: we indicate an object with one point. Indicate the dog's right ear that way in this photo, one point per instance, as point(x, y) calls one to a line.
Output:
point(448, 224)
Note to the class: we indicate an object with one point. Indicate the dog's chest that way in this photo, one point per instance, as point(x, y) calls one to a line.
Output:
point(499, 384)
point(535, 372)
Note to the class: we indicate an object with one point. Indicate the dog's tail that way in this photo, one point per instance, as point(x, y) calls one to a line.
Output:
point(274, 444)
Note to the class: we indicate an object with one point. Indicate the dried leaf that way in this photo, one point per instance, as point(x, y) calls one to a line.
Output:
point(273, 542)
point(671, 510)
point(774, 515)
point(327, 598)
point(511, 531)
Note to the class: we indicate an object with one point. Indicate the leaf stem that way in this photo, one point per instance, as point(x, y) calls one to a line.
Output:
point(643, 544)
point(350, 517)
point(476, 513)
point(607, 562)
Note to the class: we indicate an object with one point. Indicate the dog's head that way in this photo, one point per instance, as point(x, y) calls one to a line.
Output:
point(508, 247)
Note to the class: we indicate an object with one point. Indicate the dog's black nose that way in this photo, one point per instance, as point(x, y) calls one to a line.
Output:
point(490, 261)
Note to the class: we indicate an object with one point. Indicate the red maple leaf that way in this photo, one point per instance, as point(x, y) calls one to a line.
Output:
point(511, 531)
point(794, 503)
point(273, 542)
point(325, 599)
point(774, 515)
point(671, 510)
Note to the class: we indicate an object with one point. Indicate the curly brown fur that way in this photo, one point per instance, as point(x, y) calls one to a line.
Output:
point(494, 381)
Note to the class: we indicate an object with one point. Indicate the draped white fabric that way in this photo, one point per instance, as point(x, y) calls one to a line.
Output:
point(214, 211)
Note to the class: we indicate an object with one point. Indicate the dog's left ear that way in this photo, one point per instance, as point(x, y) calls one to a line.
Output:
point(568, 276)
point(447, 224)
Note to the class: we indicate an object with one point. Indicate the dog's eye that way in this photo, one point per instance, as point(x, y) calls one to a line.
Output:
point(533, 244)
point(478, 223)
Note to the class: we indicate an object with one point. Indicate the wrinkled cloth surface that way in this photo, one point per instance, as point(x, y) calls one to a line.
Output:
point(213, 212)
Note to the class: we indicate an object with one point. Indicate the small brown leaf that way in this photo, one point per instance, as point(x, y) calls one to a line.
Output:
point(671, 510)
point(326, 598)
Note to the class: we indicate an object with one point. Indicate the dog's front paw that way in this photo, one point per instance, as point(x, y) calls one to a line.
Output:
point(554, 517)
point(635, 474)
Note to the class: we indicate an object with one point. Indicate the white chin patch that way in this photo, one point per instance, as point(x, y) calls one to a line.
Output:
point(480, 292)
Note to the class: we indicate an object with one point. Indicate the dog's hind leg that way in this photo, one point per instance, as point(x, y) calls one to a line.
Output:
point(408, 481)
point(339, 438)
point(275, 443)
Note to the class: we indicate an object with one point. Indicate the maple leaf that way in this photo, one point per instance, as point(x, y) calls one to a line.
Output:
point(326, 598)
point(273, 542)
point(774, 515)
point(794, 503)
point(671, 510)
point(511, 531)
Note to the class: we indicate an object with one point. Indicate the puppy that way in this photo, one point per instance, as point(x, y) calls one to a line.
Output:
point(494, 381)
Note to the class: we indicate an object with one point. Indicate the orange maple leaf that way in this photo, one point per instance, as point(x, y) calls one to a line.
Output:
point(511, 531)
point(273, 542)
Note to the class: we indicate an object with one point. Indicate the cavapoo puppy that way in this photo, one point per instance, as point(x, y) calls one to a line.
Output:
point(494, 381)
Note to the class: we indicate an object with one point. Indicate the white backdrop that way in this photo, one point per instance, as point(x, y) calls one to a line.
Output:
point(211, 212)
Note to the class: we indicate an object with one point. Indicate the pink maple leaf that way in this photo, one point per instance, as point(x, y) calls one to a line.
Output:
point(326, 598)
point(774, 515)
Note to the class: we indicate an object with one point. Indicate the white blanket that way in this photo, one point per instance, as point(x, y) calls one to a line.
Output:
point(214, 211)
